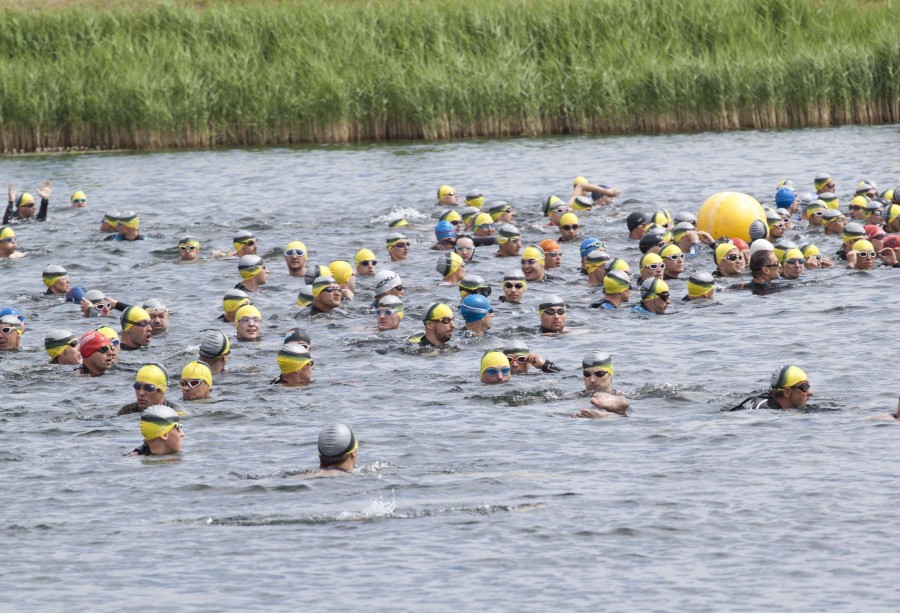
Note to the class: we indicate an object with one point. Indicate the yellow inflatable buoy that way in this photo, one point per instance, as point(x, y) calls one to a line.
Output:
point(730, 214)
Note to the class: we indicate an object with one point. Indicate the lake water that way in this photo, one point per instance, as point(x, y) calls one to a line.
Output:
point(466, 497)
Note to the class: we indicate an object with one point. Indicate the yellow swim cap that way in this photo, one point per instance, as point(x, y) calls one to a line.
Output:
point(24, 199)
point(662, 218)
point(248, 310)
point(452, 216)
point(57, 341)
point(494, 359)
point(154, 374)
point(809, 250)
point(863, 245)
point(292, 357)
point(321, 283)
point(231, 304)
point(618, 264)
point(793, 252)
point(891, 212)
point(656, 287)
point(197, 370)
point(157, 421)
point(568, 219)
point(482, 219)
point(52, 274)
point(443, 190)
point(700, 284)
point(78, 196)
point(436, 311)
point(108, 333)
point(449, 263)
point(341, 270)
point(398, 223)
point(475, 199)
point(860, 201)
point(296, 245)
point(821, 181)
point(532, 252)
point(722, 250)
point(189, 241)
point(787, 376)
point(363, 255)
point(131, 221)
point(579, 179)
point(670, 250)
point(6, 232)
point(615, 283)
point(650, 258)
point(133, 315)
point(595, 259)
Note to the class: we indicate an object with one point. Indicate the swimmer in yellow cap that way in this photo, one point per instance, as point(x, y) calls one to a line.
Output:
point(56, 279)
point(824, 183)
point(78, 200)
point(502, 212)
point(568, 228)
point(114, 341)
point(483, 228)
point(793, 264)
point(601, 195)
point(597, 370)
point(22, 208)
point(345, 275)
point(532, 263)
point(188, 249)
point(495, 368)
point(397, 246)
point(231, 302)
point(789, 388)
point(365, 263)
point(729, 260)
point(62, 347)
point(295, 255)
point(254, 273)
point(655, 298)
point(814, 257)
point(451, 267)
point(651, 266)
point(248, 323)
point(673, 259)
point(862, 256)
point(296, 366)
point(127, 228)
point(858, 208)
point(594, 264)
point(136, 328)
point(196, 381)
point(616, 290)
point(244, 243)
point(327, 298)
point(510, 241)
point(700, 286)
point(162, 431)
point(447, 196)
point(439, 327)
point(514, 286)
point(8, 244)
point(150, 385)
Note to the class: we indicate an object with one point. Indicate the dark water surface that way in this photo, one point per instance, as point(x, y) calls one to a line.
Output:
point(467, 497)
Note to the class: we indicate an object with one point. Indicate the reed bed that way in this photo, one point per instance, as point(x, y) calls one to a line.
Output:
point(231, 74)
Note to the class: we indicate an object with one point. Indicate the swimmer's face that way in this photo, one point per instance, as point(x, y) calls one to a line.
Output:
point(533, 269)
point(147, 398)
point(553, 318)
point(652, 271)
point(865, 260)
point(200, 389)
point(513, 290)
point(99, 362)
point(329, 298)
point(465, 248)
point(296, 264)
point(793, 268)
point(248, 247)
point(387, 318)
point(507, 216)
point(248, 328)
point(518, 362)
point(626, 295)
point(674, 264)
point(107, 227)
point(496, 374)
point(511, 247)
point(443, 332)
point(262, 277)
point(139, 333)
point(776, 230)
point(9, 336)
point(597, 380)
point(568, 232)
point(366, 268)
point(451, 199)
point(70, 356)
point(795, 395)
point(7, 245)
point(658, 304)
point(61, 286)
point(552, 259)
point(399, 251)
point(159, 321)
point(172, 440)
point(835, 226)
point(732, 264)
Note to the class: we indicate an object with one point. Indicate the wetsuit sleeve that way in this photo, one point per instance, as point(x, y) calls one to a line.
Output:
point(120, 306)
point(42, 212)
point(549, 366)
point(8, 214)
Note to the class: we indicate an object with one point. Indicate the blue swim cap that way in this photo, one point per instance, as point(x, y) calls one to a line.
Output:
point(11, 311)
point(474, 307)
point(589, 244)
point(784, 197)
point(444, 229)
point(75, 294)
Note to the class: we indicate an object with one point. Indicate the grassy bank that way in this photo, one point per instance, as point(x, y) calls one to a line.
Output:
point(237, 73)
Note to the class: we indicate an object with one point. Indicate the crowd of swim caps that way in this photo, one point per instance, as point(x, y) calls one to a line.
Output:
point(866, 237)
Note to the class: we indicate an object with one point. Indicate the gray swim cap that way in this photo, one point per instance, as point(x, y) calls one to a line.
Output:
point(235, 294)
point(250, 261)
point(684, 226)
point(155, 305)
point(297, 335)
point(305, 295)
point(56, 270)
point(551, 301)
point(758, 230)
point(58, 338)
point(214, 344)
point(685, 216)
point(336, 441)
point(514, 275)
point(94, 295)
point(386, 280)
point(597, 358)
point(508, 231)
point(702, 278)
point(313, 272)
point(514, 346)
point(242, 236)
point(390, 301)
point(761, 244)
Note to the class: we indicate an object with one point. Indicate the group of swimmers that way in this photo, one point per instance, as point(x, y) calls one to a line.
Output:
point(867, 237)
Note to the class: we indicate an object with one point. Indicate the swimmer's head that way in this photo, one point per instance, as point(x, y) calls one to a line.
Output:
point(154, 374)
point(341, 270)
point(234, 299)
point(475, 307)
point(250, 266)
point(197, 370)
point(214, 344)
point(158, 420)
point(56, 342)
point(243, 238)
point(616, 282)
point(475, 198)
point(52, 274)
point(363, 255)
point(700, 284)
point(133, 315)
point(533, 252)
point(292, 357)
point(590, 244)
point(787, 376)
point(336, 442)
point(448, 263)
point(595, 259)
point(599, 360)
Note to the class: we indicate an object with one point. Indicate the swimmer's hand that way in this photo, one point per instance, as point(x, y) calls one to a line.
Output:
point(888, 256)
point(593, 414)
point(825, 262)
point(45, 190)
point(610, 402)
point(10, 192)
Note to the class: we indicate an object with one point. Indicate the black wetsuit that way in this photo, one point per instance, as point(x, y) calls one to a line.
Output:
point(763, 401)
point(132, 407)
point(142, 450)
point(41, 214)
